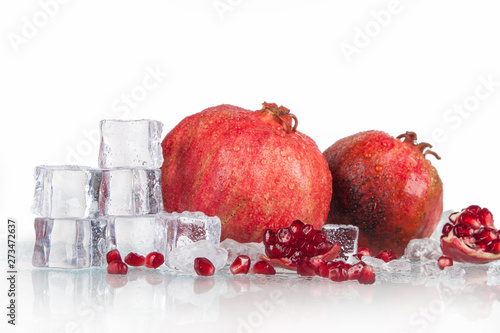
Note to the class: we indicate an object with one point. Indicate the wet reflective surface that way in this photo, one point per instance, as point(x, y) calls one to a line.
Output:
point(90, 300)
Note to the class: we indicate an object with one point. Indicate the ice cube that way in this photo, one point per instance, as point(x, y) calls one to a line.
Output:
point(423, 248)
point(70, 243)
point(345, 235)
point(397, 266)
point(436, 235)
point(234, 249)
point(493, 276)
point(182, 257)
point(66, 191)
point(130, 191)
point(377, 264)
point(133, 234)
point(131, 143)
point(180, 229)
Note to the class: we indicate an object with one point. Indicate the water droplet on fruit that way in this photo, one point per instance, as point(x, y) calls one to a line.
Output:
point(263, 161)
point(236, 148)
point(388, 176)
point(368, 154)
point(291, 186)
point(283, 153)
point(290, 158)
point(379, 168)
point(298, 156)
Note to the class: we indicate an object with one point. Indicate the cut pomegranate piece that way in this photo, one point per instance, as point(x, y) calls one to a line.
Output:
point(367, 275)
point(154, 260)
point(113, 255)
point(387, 255)
point(354, 272)
point(240, 265)
point(134, 259)
point(289, 246)
point(305, 268)
point(444, 262)
point(204, 267)
point(117, 267)
point(263, 267)
point(473, 237)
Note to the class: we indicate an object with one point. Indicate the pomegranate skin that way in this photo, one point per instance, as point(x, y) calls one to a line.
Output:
point(386, 187)
point(249, 168)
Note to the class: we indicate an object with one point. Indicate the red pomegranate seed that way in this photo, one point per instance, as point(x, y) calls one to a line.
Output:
point(308, 228)
point(494, 246)
point(274, 251)
point(470, 220)
point(308, 250)
point(444, 262)
point(288, 251)
point(240, 265)
point(305, 268)
point(367, 275)
point(113, 255)
point(262, 267)
point(324, 270)
point(486, 235)
point(269, 237)
point(473, 209)
point(461, 230)
point(154, 260)
point(338, 274)
point(387, 255)
point(447, 228)
point(320, 237)
point(296, 228)
point(310, 236)
point(470, 241)
point(296, 257)
point(486, 218)
point(354, 272)
point(323, 247)
point(117, 267)
point(203, 267)
point(284, 236)
point(134, 259)
point(364, 251)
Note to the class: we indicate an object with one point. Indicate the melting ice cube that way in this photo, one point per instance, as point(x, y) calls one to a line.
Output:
point(345, 235)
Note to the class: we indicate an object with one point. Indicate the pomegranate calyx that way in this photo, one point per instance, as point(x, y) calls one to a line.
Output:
point(411, 137)
point(281, 114)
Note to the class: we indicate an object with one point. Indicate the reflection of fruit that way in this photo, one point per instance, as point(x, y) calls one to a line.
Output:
point(203, 267)
point(471, 236)
point(252, 169)
point(386, 187)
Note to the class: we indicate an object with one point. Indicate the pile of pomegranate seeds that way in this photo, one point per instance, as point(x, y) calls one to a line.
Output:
point(117, 266)
point(474, 225)
point(387, 255)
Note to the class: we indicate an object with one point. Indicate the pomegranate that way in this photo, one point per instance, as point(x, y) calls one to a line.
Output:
point(444, 262)
point(117, 267)
point(386, 187)
point(204, 267)
point(113, 255)
point(290, 246)
point(134, 259)
point(252, 169)
point(154, 260)
point(471, 236)
point(240, 265)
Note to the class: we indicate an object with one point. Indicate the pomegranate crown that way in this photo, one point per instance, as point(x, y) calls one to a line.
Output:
point(280, 113)
point(424, 147)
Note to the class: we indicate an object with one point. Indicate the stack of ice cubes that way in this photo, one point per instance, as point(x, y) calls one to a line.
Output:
point(85, 212)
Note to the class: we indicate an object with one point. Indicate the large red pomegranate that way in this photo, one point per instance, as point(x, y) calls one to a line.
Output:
point(386, 187)
point(252, 169)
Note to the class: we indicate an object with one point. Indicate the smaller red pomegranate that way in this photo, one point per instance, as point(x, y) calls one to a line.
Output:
point(471, 236)
point(386, 187)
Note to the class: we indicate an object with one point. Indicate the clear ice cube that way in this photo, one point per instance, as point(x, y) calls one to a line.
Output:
point(133, 234)
point(66, 191)
point(423, 248)
point(70, 243)
point(180, 229)
point(234, 249)
point(182, 257)
point(345, 235)
point(130, 143)
point(130, 191)
point(397, 266)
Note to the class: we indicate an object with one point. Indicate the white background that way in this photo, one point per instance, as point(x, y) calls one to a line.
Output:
point(67, 65)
